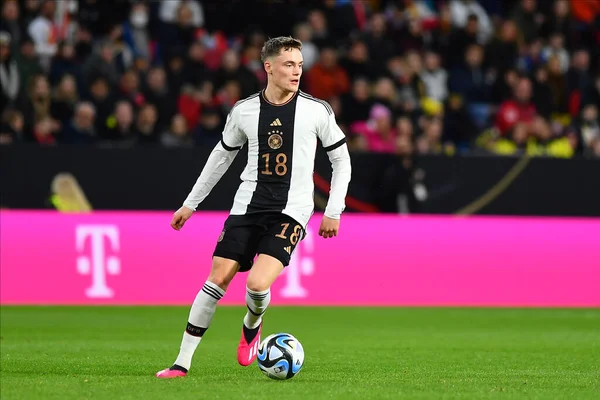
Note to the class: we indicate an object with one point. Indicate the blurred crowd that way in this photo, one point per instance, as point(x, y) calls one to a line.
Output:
point(403, 76)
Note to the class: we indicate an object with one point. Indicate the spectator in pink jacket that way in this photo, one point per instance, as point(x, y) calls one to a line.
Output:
point(377, 134)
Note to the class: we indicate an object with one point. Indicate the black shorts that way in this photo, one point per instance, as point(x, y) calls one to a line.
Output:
point(245, 236)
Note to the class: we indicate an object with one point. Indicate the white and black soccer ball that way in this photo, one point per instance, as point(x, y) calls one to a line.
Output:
point(280, 356)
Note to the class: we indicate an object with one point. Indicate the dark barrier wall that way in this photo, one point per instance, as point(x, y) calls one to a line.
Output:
point(158, 178)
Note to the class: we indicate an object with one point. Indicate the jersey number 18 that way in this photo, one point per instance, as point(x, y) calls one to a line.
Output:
point(280, 164)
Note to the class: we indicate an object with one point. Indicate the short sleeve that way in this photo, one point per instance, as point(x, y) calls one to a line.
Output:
point(233, 137)
point(329, 132)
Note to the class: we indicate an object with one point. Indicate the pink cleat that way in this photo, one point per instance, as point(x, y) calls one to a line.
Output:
point(170, 373)
point(247, 353)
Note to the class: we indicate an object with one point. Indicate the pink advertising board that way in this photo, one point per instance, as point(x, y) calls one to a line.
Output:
point(378, 260)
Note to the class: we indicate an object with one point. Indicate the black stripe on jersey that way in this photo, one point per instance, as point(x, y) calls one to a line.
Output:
point(335, 145)
point(229, 148)
point(275, 128)
point(323, 102)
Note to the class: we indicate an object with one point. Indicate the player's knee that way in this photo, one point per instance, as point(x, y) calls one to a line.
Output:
point(257, 283)
point(219, 280)
point(222, 272)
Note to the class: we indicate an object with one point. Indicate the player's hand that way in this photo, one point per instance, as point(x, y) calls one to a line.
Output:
point(180, 216)
point(329, 227)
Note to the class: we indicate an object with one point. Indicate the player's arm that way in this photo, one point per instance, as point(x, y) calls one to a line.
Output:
point(334, 143)
point(217, 164)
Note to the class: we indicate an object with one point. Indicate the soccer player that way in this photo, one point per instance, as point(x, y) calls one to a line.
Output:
point(280, 126)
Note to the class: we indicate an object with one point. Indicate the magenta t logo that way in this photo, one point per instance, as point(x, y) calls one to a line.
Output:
point(98, 264)
point(301, 264)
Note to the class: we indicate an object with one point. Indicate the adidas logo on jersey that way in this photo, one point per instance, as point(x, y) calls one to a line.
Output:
point(277, 122)
point(288, 249)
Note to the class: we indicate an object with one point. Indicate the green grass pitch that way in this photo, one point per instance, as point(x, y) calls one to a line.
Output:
point(351, 353)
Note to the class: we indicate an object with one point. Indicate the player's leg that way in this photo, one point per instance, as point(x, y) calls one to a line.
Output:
point(201, 313)
point(265, 271)
point(230, 256)
point(274, 252)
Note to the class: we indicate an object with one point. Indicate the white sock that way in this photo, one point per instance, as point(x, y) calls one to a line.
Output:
point(257, 303)
point(201, 315)
point(187, 349)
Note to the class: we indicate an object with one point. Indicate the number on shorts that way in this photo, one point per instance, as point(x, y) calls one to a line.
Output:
point(282, 234)
point(295, 234)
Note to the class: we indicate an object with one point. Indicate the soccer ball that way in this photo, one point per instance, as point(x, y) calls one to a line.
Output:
point(280, 356)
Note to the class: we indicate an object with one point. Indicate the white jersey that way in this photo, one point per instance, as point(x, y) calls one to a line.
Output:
point(282, 143)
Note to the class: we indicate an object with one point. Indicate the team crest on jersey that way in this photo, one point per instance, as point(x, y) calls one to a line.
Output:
point(221, 235)
point(275, 141)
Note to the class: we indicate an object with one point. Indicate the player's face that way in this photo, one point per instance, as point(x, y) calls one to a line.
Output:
point(286, 70)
